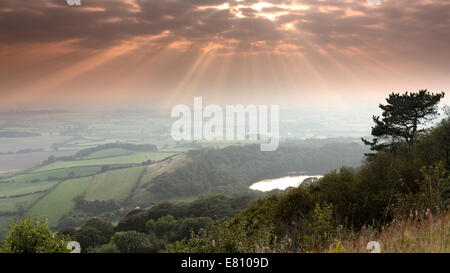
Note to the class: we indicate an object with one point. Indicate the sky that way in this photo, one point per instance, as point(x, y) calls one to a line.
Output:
point(304, 53)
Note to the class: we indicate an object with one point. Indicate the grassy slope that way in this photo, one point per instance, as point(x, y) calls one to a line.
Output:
point(431, 235)
point(115, 184)
point(11, 204)
point(60, 200)
point(164, 167)
point(104, 186)
point(141, 194)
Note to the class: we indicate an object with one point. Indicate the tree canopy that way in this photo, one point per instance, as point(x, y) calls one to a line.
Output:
point(401, 118)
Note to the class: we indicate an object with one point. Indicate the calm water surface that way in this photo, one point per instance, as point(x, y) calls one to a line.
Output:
point(280, 183)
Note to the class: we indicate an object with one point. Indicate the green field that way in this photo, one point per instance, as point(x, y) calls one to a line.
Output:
point(109, 153)
point(134, 158)
point(114, 185)
point(54, 198)
point(17, 188)
point(60, 200)
point(57, 173)
point(13, 204)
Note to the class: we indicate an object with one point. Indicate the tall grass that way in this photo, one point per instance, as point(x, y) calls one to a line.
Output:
point(428, 234)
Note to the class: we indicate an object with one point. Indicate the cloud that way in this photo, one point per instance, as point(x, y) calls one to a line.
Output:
point(269, 23)
point(220, 45)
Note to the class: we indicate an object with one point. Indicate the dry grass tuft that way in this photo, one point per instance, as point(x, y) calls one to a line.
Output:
point(431, 234)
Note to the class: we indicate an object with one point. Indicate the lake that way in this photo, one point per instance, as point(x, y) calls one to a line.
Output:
point(280, 183)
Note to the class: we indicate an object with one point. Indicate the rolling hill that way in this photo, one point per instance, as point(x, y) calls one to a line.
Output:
point(111, 179)
point(106, 172)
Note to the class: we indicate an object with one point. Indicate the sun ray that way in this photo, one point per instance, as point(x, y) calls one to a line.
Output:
point(194, 68)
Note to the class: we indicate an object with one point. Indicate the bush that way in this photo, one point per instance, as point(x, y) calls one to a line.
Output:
point(133, 242)
point(108, 248)
point(32, 235)
point(94, 232)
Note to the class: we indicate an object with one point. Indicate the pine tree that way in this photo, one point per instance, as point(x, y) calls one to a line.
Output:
point(401, 118)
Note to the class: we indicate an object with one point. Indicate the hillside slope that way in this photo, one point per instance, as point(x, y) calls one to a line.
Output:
point(120, 177)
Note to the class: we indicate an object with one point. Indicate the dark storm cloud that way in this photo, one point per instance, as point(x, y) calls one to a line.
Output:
point(423, 25)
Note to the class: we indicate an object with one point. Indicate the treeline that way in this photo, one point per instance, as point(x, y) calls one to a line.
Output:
point(151, 230)
point(84, 210)
point(233, 169)
point(89, 151)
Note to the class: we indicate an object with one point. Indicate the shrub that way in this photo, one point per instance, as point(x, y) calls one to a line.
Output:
point(133, 242)
point(32, 235)
point(108, 248)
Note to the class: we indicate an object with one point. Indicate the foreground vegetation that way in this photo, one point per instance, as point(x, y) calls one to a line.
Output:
point(425, 234)
point(151, 230)
point(32, 235)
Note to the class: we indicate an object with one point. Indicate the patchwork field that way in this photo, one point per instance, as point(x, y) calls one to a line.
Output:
point(45, 194)
point(17, 162)
point(59, 201)
point(43, 141)
point(114, 185)
point(12, 205)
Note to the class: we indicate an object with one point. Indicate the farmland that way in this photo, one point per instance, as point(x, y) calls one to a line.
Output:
point(50, 188)
point(134, 158)
point(8, 189)
point(13, 205)
point(60, 200)
point(113, 185)
point(111, 179)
